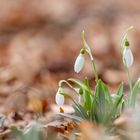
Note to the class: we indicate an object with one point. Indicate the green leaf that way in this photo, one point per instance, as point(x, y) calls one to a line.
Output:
point(93, 103)
point(80, 84)
point(71, 116)
point(120, 89)
point(135, 90)
point(108, 102)
point(68, 96)
point(103, 108)
point(107, 93)
point(80, 110)
point(116, 104)
point(100, 106)
point(17, 132)
point(86, 82)
point(113, 112)
point(126, 101)
point(87, 96)
point(32, 132)
point(2, 119)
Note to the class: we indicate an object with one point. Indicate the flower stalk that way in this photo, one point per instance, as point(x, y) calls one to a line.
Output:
point(88, 50)
point(127, 60)
point(130, 84)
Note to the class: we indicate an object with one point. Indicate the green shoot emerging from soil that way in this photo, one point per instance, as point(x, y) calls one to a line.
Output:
point(99, 105)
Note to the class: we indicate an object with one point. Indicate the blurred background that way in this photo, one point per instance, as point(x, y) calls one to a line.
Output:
point(40, 40)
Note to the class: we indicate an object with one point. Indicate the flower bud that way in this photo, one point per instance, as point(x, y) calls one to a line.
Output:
point(59, 98)
point(127, 57)
point(79, 63)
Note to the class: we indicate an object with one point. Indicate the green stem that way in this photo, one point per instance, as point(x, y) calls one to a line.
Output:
point(125, 36)
point(67, 83)
point(88, 50)
point(130, 84)
point(64, 81)
point(95, 71)
point(93, 64)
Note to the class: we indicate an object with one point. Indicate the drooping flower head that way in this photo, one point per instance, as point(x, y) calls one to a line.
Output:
point(127, 55)
point(79, 63)
point(59, 98)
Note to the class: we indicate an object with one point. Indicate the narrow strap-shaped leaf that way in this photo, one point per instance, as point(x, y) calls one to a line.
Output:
point(71, 116)
point(83, 110)
point(87, 83)
point(107, 93)
point(79, 83)
point(115, 107)
point(135, 90)
point(120, 89)
point(79, 112)
point(17, 131)
point(87, 96)
point(98, 102)
point(92, 110)
point(78, 107)
point(68, 96)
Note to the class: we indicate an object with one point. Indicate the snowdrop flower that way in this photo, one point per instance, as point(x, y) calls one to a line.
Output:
point(81, 99)
point(127, 56)
point(79, 63)
point(138, 81)
point(59, 98)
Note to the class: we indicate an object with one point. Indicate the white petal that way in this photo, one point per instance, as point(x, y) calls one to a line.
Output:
point(81, 99)
point(59, 99)
point(127, 57)
point(139, 79)
point(79, 63)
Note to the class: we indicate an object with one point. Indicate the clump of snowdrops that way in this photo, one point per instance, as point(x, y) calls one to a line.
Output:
point(99, 105)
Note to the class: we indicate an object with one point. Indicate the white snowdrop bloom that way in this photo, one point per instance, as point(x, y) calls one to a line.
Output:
point(59, 98)
point(81, 99)
point(79, 63)
point(127, 57)
point(138, 81)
